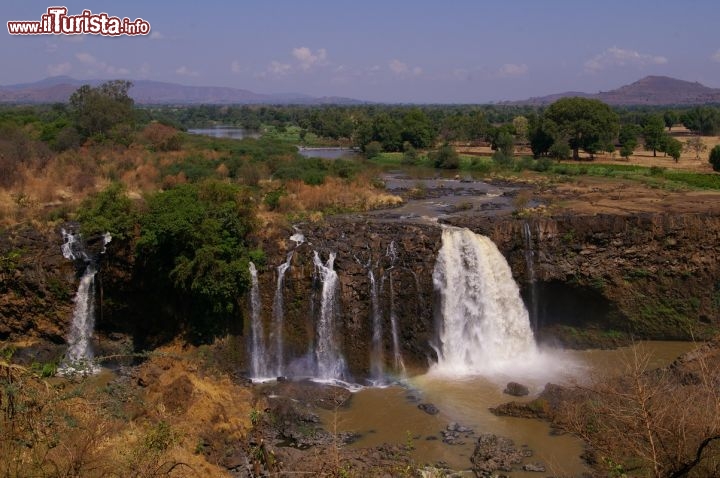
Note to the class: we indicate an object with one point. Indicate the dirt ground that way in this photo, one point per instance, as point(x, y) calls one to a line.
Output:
point(595, 195)
point(600, 195)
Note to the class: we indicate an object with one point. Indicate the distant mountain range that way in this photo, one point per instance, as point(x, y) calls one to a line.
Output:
point(58, 89)
point(651, 91)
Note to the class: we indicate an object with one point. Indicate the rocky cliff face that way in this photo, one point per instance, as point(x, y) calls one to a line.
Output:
point(650, 275)
point(401, 256)
point(598, 279)
point(36, 286)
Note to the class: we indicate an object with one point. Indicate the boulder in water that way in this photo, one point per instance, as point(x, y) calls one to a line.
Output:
point(516, 389)
point(535, 467)
point(494, 453)
point(429, 408)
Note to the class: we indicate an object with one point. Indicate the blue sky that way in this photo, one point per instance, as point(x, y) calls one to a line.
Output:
point(394, 51)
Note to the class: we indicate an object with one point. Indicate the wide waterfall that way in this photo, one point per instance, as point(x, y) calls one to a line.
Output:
point(258, 353)
point(485, 325)
point(329, 360)
point(79, 355)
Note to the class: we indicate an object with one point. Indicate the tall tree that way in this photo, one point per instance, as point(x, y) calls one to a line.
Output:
point(673, 147)
point(654, 133)
point(628, 139)
point(586, 123)
point(671, 118)
point(417, 129)
point(540, 134)
point(696, 144)
point(520, 123)
point(702, 120)
point(99, 110)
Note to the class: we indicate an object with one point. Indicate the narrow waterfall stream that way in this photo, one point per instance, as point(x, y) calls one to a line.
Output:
point(278, 314)
point(258, 352)
point(79, 356)
point(377, 359)
point(530, 267)
point(329, 360)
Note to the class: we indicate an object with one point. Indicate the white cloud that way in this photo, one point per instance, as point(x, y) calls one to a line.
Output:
point(96, 66)
point(511, 69)
point(613, 57)
point(716, 56)
point(59, 69)
point(185, 71)
point(279, 69)
point(111, 70)
point(400, 68)
point(73, 38)
point(86, 58)
point(156, 35)
point(307, 58)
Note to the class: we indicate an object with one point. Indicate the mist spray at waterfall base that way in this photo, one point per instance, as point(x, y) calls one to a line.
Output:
point(485, 328)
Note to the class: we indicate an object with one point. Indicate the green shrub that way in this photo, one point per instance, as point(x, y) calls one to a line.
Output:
point(272, 199)
point(108, 211)
point(446, 157)
point(714, 158)
point(372, 149)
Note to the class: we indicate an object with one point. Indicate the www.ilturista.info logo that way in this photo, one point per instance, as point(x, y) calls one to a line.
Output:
point(57, 22)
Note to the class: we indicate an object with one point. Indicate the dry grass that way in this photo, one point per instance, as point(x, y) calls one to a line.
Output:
point(102, 426)
point(335, 194)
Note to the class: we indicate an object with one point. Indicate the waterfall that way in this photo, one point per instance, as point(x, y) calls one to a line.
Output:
point(530, 267)
point(376, 352)
point(330, 363)
point(278, 311)
point(79, 355)
point(397, 355)
point(258, 353)
point(485, 326)
point(79, 351)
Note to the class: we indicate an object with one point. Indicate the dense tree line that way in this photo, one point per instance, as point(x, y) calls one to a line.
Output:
point(106, 113)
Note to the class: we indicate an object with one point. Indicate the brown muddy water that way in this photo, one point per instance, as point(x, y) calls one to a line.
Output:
point(391, 415)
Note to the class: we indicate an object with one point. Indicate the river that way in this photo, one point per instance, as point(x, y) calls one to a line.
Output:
point(391, 415)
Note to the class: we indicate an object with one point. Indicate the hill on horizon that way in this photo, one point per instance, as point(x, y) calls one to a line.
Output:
point(58, 89)
point(650, 91)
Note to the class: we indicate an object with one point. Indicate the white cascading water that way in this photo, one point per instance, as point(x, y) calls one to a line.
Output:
point(79, 355)
point(530, 266)
point(79, 352)
point(330, 362)
point(394, 328)
point(258, 353)
point(397, 355)
point(376, 351)
point(485, 326)
point(278, 311)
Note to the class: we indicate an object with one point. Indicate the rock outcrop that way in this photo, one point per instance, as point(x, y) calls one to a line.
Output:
point(598, 280)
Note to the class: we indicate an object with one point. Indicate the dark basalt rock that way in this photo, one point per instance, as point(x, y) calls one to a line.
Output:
point(516, 389)
point(494, 453)
point(429, 408)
